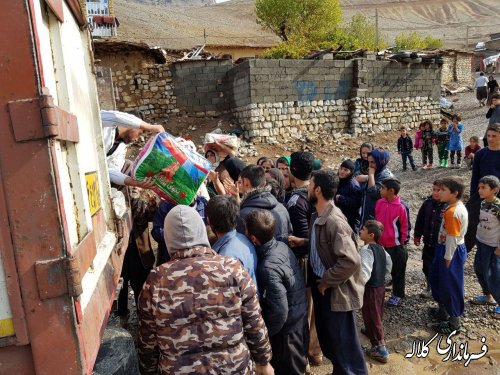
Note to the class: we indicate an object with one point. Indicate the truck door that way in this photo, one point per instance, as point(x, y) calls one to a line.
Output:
point(61, 245)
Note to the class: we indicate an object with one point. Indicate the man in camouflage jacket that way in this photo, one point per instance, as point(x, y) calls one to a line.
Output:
point(199, 313)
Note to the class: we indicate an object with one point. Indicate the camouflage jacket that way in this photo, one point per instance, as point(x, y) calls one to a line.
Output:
point(199, 314)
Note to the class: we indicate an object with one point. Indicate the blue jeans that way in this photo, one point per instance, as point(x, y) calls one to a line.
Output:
point(407, 155)
point(487, 268)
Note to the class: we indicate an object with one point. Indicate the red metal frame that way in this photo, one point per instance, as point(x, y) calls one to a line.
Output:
point(33, 225)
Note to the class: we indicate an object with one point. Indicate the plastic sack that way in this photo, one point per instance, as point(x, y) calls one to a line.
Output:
point(226, 139)
point(176, 171)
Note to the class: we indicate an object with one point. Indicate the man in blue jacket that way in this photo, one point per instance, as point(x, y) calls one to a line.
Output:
point(222, 216)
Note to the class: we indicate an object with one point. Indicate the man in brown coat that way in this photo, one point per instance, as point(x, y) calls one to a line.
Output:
point(335, 277)
point(199, 313)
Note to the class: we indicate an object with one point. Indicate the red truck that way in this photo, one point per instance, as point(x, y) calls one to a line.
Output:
point(61, 242)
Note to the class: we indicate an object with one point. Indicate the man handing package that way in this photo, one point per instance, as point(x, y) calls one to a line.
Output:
point(119, 130)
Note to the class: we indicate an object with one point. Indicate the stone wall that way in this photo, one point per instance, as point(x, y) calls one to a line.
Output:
point(199, 86)
point(463, 68)
point(148, 90)
point(271, 98)
point(457, 67)
point(276, 99)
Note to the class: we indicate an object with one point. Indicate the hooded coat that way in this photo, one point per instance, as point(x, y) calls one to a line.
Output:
point(370, 195)
point(281, 287)
point(199, 313)
point(263, 199)
point(349, 200)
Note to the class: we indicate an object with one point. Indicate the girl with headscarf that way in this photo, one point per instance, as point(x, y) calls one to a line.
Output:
point(275, 179)
point(348, 197)
point(265, 163)
point(361, 165)
point(377, 172)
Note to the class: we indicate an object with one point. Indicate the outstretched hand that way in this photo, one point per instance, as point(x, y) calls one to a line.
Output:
point(231, 187)
point(154, 128)
point(146, 184)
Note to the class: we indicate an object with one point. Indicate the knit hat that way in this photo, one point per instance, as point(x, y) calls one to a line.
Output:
point(234, 166)
point(301, 165)
point(348, 164)
point(184, 229)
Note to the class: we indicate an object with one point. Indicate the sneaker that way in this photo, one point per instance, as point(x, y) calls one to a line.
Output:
point(414, 168)
point(495, 313)
point(404, 169)
point(437, 315)
point(445, 327)
point(429, 166)
point(481, 300)
point(394, 301)
point(378, 353)
point(424, 166)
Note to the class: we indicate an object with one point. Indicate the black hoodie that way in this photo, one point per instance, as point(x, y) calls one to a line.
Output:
point(263, 199)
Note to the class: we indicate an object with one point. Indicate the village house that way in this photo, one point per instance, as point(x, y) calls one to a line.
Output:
point(101, 17)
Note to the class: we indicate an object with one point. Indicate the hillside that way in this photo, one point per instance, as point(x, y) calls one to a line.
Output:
point(233, 22)
point(176, 2)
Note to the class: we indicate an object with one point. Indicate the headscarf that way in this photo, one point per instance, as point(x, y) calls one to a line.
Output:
point(283, 160)
point(381, 158)
point(278, 189)
point(364, 163)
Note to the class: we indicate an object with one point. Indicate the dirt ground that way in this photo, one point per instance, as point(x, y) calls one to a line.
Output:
point(410, 322)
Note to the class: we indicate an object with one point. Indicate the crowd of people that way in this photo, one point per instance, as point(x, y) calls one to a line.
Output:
point(265, 270)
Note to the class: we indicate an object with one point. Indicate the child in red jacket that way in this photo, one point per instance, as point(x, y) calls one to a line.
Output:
point(391, 212)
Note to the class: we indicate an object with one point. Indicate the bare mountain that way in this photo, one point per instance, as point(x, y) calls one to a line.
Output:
point(233, 22)
point(176, 2)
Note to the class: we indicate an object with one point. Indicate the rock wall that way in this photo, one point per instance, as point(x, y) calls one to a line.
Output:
point(457, 67)
point(288, 98)
point(148, 90)
point(274, 100)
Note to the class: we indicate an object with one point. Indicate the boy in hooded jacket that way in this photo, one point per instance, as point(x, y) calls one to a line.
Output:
point(377, 172)
point(391, 212)
point(282, 293)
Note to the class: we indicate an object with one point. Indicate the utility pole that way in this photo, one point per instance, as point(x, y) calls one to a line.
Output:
point(466, 36)
point(376, 28)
